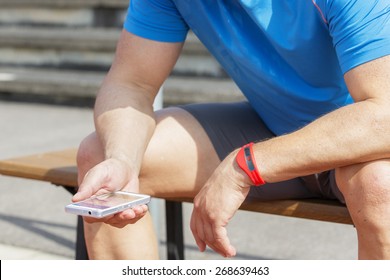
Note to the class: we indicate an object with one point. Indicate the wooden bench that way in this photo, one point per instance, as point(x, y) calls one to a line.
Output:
point(59, 168)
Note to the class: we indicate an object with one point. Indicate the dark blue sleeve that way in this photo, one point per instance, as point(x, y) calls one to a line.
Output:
point(360, 29)
point(157, 20)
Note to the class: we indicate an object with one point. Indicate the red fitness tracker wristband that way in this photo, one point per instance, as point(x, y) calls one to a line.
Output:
point(246, 161)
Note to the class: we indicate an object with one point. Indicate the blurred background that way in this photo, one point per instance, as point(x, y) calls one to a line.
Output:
point(53, 57)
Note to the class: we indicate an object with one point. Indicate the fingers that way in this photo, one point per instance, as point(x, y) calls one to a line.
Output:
point(207, 233)
point(107, 176)
point(222, 244)
point(197, 232)
point(122, 219)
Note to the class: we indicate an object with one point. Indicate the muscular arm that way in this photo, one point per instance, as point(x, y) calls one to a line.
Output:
point(356, 133)
point(124, 117)
point(123, 114)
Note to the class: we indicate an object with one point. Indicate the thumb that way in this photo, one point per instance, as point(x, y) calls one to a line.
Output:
point(93, 181)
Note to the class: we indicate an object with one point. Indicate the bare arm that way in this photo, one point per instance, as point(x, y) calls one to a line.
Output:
point(123, 114)
point(356, 133)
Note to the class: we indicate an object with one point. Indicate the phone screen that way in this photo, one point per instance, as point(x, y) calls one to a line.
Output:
point(107, 201)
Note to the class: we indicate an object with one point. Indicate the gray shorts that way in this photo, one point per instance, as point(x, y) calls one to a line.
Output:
point(232, 125)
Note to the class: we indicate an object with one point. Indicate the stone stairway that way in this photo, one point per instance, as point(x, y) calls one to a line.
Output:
point(59, 51)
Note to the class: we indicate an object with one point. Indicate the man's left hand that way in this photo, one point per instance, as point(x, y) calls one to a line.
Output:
point(215, 205)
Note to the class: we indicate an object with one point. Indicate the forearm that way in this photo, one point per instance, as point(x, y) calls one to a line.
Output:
point(124, 121)
point(356, 133)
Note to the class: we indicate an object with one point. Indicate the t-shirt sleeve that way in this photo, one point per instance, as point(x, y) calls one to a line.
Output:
point(360, 29)
point(157, 20)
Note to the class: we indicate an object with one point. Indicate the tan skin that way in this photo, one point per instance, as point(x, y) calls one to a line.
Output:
point(112, 158)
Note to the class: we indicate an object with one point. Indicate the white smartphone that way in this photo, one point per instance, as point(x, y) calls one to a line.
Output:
point(107, 204)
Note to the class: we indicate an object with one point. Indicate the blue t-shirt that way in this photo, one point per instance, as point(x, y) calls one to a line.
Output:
point(287, 57)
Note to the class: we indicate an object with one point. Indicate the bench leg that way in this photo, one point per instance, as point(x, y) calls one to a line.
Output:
point(174, 228)
point(81, 248)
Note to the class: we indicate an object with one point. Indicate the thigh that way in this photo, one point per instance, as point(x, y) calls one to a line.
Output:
point(179, 158)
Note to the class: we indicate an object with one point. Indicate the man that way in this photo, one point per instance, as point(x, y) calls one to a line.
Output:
point(317, 78)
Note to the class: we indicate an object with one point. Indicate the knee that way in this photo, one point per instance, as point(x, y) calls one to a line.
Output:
point(369, 180)
point(366, 189)
point(89, 153)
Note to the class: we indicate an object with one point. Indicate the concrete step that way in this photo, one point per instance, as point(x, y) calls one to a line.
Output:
point(80, 87)
point(76, 38)
point(90, 39)
point(63, 12)
point(65, 3)
point(87, 48)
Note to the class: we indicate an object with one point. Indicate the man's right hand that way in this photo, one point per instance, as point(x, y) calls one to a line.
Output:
point(109, 176)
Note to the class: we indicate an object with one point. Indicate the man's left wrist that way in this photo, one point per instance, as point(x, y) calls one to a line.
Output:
point(246, 161)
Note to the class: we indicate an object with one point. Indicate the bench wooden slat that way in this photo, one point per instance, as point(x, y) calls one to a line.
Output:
point(59, 167)
point(312, 209)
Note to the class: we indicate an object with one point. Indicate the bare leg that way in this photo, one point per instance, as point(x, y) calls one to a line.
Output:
point(366, 189)
point(178, 161)
point(104, 241)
